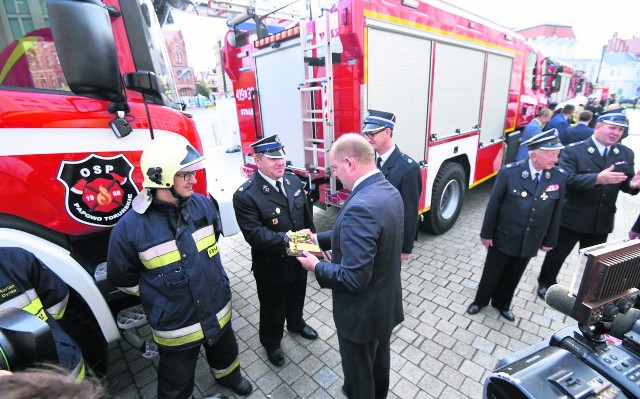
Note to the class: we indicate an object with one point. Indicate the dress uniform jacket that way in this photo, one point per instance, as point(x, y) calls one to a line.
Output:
point(560, 123)
point(591, 208)
point(264, 216)
point(25, 283)
point(520, 218)
point(364, 275)
point(404, 174)
point(579, 132)
point(170, 256)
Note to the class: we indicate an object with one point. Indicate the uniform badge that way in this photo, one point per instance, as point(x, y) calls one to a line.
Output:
point(274, 221)
point(552, 187)
point(616, 150)
point(241, 188)
point(591, 150)
point(547, 175)
point(265, 188)
point(544, 196)
point(296, 193)
point(287, 181)
point(525, 174)
point(278, 211)
point(523, 194)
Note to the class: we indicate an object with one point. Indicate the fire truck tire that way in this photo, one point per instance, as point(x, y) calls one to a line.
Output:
point(81, 325)
point(446, 201)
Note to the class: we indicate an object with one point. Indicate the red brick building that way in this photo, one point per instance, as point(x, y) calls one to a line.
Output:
point(183, 74)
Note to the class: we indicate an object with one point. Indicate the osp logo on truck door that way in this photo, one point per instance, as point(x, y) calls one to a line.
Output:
point(99, 190)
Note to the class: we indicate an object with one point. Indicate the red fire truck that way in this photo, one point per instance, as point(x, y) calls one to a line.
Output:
point(79, 100)
point(560, 80)
point(458, 84)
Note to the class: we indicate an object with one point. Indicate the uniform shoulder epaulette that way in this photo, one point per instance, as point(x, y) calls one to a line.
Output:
point(511, 165)
point(245, 185)
point(559, 169)
point(575, 143)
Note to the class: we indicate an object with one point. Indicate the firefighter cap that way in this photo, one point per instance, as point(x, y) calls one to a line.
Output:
point(616, 118)
point(548, 140)
point(377, 120)
point(270, 147)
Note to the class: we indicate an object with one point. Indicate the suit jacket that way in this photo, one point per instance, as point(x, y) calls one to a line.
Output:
point(404, 174)
point(577, 133)
point(560, 123)
point(591, 208)
point(534, 127)
point(364, 275)
point(521, 218)
point(264, 216)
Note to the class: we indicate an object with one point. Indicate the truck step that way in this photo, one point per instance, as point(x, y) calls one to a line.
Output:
point(151, 350)
point(101, 272)
point(131, 317)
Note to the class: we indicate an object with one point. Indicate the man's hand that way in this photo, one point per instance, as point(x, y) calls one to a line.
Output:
point(404, 257)
point(308, 261)
point(546, 249)
point(633, 235)
point(487, 242)
point(608, 176)
point(635, 182)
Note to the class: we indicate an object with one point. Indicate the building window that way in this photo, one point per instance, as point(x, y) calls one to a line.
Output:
point(178, 52)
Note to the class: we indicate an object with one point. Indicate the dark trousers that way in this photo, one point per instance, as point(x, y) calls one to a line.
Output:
point(280, 302)
point(365, 367)
point(176, 369)
point(500, 278)
point(567, 239)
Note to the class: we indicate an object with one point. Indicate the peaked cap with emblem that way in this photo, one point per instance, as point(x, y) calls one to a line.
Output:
point(616, 118)
point(270, 146)
point(548, 140)
point(378, 120)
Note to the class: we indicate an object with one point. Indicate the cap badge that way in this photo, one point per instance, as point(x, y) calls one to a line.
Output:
point(525, 174)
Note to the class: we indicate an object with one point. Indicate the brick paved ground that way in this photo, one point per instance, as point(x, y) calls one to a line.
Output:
point(437, 352)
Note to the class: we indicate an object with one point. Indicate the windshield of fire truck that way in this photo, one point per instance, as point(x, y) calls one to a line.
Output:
point(154, 57)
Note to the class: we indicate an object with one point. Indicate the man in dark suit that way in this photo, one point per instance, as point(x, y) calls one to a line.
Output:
point(560, 121)
point(398, 168)
point(267, 206)
point(581, 130)
point(533, 128)
point(364, 273)
point(523, 215)
point(597, 170)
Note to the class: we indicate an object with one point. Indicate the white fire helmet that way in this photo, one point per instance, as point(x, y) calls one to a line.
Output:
point(165, 156)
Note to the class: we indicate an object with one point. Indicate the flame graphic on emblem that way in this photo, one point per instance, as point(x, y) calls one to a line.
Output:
point(103, 197)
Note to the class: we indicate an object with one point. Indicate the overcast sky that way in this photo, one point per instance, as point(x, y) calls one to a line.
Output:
point(593, 22)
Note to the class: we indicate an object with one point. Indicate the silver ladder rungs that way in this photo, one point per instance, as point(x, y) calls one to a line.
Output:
point(315, 80)
point(315, 88)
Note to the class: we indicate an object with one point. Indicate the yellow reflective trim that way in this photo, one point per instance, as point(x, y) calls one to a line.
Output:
point(213, 251)
point(162, 260)
point(36, 309)
point(217, 374)
point(80, 371)
point(206, 242)
point(224, 315)
point(24, 44)
point(185, 339)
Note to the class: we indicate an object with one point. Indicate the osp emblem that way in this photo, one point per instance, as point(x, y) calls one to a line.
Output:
point(99, 190)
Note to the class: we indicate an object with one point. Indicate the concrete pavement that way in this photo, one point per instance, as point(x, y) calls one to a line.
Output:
point(439, 351)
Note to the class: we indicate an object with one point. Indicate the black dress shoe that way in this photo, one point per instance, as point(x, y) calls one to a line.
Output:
point(344, 392)
point(307, 332)
point(276, 357)
point(542, 291)
point(241, 387)
point(507, 314)
point(473, 309)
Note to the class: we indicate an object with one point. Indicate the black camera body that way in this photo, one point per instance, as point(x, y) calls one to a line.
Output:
point(25, 340)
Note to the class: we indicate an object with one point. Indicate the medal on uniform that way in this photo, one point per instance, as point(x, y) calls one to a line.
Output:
point(278, 211)
point(274, 221)
point(523, 194)
point(544, 196)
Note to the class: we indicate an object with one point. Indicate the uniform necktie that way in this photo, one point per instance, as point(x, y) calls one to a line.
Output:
point(537, 179)
point(605, 152)
point(379, 162)
point(280, 190)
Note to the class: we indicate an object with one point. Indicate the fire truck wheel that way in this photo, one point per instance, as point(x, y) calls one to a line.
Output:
point(447, 198)
point(81, 325)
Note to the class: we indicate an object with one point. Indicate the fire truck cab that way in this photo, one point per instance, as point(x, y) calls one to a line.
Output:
point(80, 97)
point(453, 79)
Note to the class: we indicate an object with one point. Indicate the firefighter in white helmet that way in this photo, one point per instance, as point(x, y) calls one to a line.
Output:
point(166, 251)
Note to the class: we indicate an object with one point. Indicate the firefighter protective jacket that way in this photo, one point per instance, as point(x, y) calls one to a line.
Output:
point(169, 256)
point(25, 283)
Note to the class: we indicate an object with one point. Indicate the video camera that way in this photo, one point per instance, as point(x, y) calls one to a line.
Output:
point(24, 340)
point(597, 358)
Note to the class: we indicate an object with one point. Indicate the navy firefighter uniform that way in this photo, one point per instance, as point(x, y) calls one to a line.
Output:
point(27, 284)
point(265, 216)
point(522, 216)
